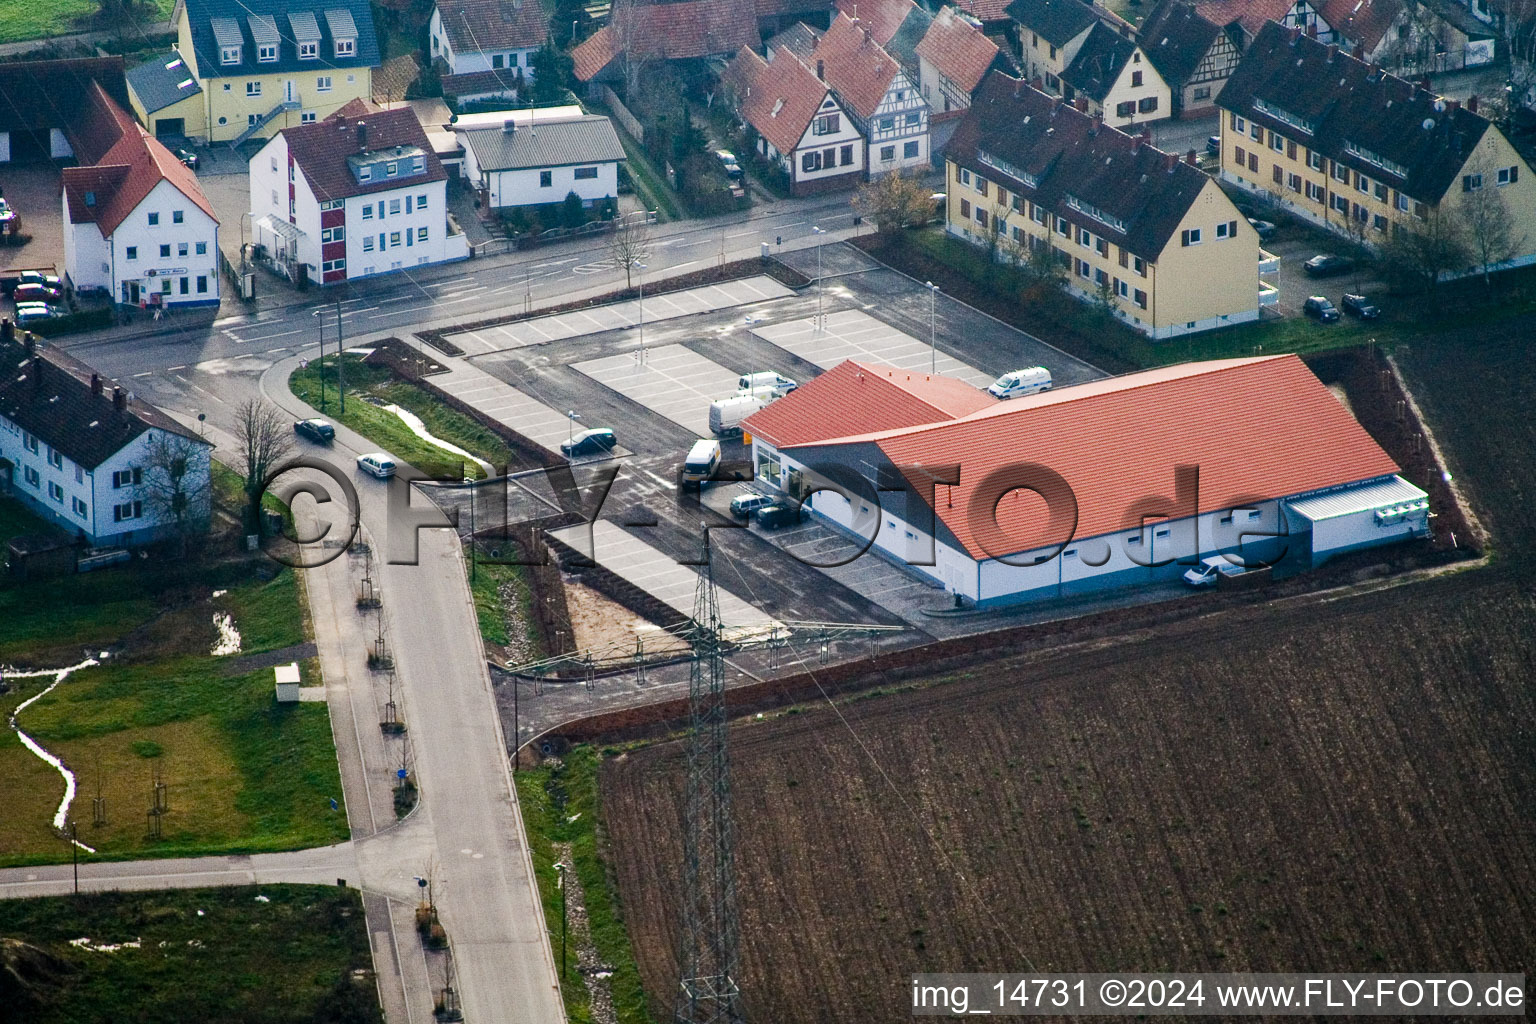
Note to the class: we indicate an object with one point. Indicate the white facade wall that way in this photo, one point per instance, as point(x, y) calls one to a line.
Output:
point(847, 134)
point(467, 61)
point(81, 500)
point(268, 171)
point(87, 256)
point(525, 188)
point(136, 247)
point(382, 236)
point(905, 112)
point(942, 94)
point(1340, 534)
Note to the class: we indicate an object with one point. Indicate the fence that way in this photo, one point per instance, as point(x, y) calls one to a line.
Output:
point(621, 114)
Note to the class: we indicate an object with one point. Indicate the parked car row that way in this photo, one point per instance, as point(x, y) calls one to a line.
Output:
point(1318, 307)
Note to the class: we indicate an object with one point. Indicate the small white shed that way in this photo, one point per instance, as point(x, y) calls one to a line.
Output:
point(287, 682)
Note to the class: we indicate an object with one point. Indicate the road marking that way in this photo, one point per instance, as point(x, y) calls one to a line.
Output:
point(146, 373)
point(741, 234)
point(183, 366)
point(680, 266)
point(552, 263)
point(265, 337)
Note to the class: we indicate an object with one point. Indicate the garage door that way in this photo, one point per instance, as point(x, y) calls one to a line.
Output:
point(165, 127)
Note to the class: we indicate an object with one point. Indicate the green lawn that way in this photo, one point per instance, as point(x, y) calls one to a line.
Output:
point(202, 954)
point(386, 429)
point(28, 19)
point(559, 801)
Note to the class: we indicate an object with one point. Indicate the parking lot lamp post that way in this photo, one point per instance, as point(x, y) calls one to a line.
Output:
point(641, 318)
point(818, 233)
point(933, 326)
point(571, 417)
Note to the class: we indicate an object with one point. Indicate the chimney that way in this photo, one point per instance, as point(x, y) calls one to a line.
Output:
point(509, 126)
point(362, 135)
point(821, 70)
point(1146, 135)
point(1312, 31)
point(1472, 103)
point(1038, 83)
point(96, 387)
point(1190, 159)
point(1333, 51)
point(119, 399)
point(1453, 104)
point(1136, 142)
point(1081, 103)
point(30, 343)
point(1170, 161)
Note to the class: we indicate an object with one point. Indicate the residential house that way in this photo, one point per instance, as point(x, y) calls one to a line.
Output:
point(876, 93)
point(41, 102)
point(135, 222)
point(897, 25)
point(1361, 152)
point(954, 56)
point(539, 161)
point(484, 48)
point(1286, 475)
point(800, 124)
point(357, 194)
point(266, 65)
point(638, 34)
point(1405, 36)
point(88, 456)
point(1079, 50)
point(1194, 56)
point(1139, 228)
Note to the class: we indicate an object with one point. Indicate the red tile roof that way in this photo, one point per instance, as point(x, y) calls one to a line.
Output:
point(122, 164)
point(958, 49)
point(778, 97)
point(1257, 429)
point(36, 95)
point(666, 31)
point(882, 17)
point(861, 397)
point(985, 11)
point(321, 149)
point(1364, 22)
point(478, 26)
point(1251, 14)
point(854, 65)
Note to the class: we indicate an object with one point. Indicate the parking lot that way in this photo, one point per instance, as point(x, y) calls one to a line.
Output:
point(854, 334)
point(673, 381)
point(507, 404)
point(32, 190)
point(618, 315)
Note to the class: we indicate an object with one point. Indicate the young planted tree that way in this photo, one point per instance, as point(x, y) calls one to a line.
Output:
point(629, 244)
point(263, 439)
point(1424, 255)
point(893, 201)
point(176, 483)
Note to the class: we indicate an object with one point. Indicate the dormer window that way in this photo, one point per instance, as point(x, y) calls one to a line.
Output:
point(309, 51)
point(229, 55)
point(266, 52)
point(364, 173)
point(346, 47)
point(391, 169)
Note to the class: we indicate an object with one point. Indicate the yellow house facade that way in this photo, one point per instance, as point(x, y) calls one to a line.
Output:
point(1371, 157)
point(263, 66)
point(1128, 224)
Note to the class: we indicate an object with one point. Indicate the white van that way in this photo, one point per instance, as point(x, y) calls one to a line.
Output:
point(1017, 383)
point(1210, 570)
point(703, 459)
point(726, 414)
point(766, 381)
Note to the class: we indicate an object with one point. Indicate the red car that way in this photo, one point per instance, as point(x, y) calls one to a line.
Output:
point(38, 293)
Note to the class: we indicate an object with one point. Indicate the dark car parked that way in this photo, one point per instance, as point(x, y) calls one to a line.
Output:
point(1327, 265)
point(772, 517)
point(1266, 229)
point(1213, 145)
point(187, 157)
point(1320, 308)
point(317, 431)
point(1360, 306)
point(589, 442)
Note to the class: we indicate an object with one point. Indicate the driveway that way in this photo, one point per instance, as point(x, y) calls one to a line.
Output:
point(32, 190)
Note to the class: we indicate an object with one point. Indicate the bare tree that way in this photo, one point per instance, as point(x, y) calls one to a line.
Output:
point(176, 484)
point(893, 201)
point(1425, 254)
point(629, 244)
point(1491, 236)
point(1515, 23)
point(263, 439)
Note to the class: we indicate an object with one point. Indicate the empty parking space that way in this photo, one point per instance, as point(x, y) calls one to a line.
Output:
point(674, 381)
point(854, 334)
point(614, 316)
point(506, 404)
point(657, 573)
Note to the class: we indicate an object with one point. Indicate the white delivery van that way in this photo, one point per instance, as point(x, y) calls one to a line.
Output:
point(1017, 383)
point(1211, 569)
point(703, 459)
point(726, 414)
point(766, 381)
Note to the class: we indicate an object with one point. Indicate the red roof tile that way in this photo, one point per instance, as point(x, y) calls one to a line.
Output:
point(883, 18)
point(854, 65)
point(958, 49)
point(321, 149)
point(123, 165)
point(1251, 14)
point(1256, 428)
point(861, 397)
point(666, 31)
point(778, 97)
point(985, 11)
point(1362, 21)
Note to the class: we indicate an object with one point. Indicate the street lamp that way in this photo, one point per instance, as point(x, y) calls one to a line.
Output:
point(571, 417)
point(818, 233)
point(933, 326)
point(641, 319)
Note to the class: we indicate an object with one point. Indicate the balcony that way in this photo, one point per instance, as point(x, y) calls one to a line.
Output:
point(1269, 263)
point(1269, 295)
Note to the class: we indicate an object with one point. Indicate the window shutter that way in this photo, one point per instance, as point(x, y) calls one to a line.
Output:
point(1278, 174)
point(1184, 237)
point(1466, 183)
point(1514, 174)
point(1123, 260)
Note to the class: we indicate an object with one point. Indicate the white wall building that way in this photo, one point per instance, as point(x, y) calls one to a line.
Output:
point(539, 163)
point(486, 46)
point(135, 222)
point(88, 458)
point(799, 123)
point(871, 85)
point(358, 194)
